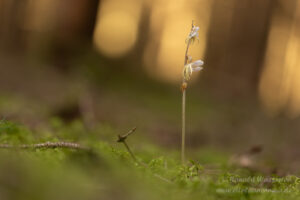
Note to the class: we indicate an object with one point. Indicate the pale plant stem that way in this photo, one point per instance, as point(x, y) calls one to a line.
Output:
point(183, 109)
point(183, 128)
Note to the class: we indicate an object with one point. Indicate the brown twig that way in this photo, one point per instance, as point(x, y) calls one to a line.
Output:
point(46, 145)
point(122, 139)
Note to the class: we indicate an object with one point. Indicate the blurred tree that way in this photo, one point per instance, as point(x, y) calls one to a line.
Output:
point(67, 26)
point(236, 45)
point(74, 29)
point(76, 20)
point(11, 21)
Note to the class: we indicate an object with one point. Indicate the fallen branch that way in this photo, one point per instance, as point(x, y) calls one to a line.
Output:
point(46, 145)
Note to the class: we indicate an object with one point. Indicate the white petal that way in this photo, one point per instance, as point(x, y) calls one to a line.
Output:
point(194, 32)
point(197, 63)
point(196, 69)
point(187, 72)
point(190, 69)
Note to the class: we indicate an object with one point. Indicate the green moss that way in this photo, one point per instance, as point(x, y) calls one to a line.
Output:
point(108, 171)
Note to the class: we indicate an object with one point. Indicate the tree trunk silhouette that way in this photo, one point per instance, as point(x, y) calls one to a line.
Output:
point(236, 44)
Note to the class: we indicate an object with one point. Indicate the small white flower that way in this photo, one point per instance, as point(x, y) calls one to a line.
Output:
point(190, 68)
point(194, 34)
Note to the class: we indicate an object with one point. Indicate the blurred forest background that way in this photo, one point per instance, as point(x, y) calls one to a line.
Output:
point(119, 62)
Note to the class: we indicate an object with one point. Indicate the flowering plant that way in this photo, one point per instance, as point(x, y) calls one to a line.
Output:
point(189, 68)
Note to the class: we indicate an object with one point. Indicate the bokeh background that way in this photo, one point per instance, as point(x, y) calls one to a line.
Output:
point(120, 62)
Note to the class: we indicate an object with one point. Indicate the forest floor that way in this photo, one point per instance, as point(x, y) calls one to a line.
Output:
point(234, 150)
point(106, 170)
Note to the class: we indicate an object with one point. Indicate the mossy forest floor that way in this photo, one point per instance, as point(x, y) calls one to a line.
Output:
point(107, 171)
point(93, 105)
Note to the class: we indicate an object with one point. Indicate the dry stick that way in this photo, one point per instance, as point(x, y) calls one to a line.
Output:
point(183, 104)
point(130, 152)
point(122, 139)
point(68, 145)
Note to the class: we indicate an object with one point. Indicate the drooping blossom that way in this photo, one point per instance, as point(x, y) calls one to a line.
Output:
point(190, 68)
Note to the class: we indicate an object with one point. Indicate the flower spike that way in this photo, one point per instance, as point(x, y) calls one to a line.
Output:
point(188, 69)
point(194, 34)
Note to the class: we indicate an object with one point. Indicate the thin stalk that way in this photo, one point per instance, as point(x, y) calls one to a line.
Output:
point(184, 83)
point(130, 152)
point(183, 128)
point(122, 139)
